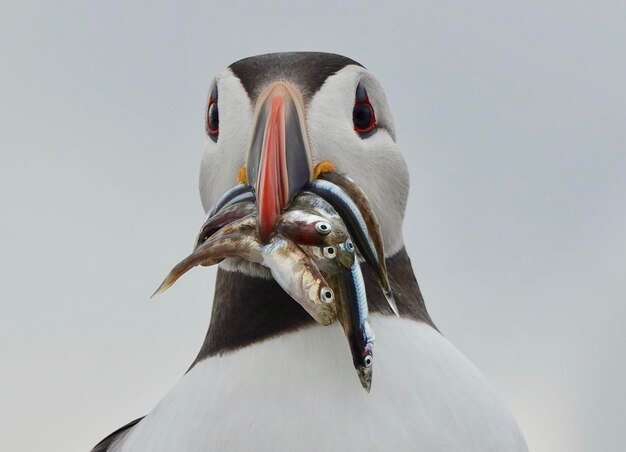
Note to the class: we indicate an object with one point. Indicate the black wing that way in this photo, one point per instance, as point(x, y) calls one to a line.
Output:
point(103, 445)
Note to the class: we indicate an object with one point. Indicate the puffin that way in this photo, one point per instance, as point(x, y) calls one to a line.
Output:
point(267, 376)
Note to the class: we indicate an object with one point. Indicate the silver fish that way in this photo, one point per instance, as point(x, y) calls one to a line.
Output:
point(342, 270)
point(292, 269)
point(354, 317)
point(355, 210)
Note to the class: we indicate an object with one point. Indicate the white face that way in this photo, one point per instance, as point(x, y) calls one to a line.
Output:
point(374, 162)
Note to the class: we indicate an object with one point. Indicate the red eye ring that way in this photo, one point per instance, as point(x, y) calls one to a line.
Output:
point(363, 116)
point(212, 118)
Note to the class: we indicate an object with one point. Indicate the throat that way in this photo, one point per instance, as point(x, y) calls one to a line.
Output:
point(248, 309)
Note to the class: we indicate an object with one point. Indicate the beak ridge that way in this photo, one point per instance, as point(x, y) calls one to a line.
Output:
point(279, 161)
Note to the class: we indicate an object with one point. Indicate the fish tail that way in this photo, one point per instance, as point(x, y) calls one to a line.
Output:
point(168, 282)
point(390, 300)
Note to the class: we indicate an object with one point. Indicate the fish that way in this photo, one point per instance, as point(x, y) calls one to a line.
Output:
point(333, 258)
point(361, 222)
point(220, 246)
point(354, 318)
point(292, 269)
point(223, 217)
point(297, 223)
point(343, 272)
point(238, 193)
point(308, 228)
point(310, 202)
point(303, 228)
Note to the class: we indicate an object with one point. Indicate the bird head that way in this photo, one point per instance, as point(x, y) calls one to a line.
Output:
point(275, 120)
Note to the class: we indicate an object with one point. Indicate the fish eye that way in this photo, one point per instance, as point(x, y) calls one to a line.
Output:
point(327, 295)
point(363, 117)
point(213, 116)
point(367, 360)
point(349, 245)
point(323, 227)
point(329, 252)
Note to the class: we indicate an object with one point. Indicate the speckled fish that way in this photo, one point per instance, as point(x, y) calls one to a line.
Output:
point(292, 269)
point(361, 223)
point(343, 272)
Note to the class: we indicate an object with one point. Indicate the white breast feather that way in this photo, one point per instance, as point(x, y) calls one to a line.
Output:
point(299, 392)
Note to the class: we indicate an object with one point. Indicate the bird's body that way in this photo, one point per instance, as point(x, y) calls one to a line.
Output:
point(268, 378)
point(297, 392)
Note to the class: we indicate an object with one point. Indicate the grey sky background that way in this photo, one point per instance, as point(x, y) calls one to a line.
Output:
point(512, 118)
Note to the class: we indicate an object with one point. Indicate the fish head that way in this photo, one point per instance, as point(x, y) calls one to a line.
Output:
point(364, 363)
point(346, 253)
point(307, 228)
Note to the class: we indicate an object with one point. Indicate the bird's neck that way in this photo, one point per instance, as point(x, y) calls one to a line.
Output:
point(248, 309)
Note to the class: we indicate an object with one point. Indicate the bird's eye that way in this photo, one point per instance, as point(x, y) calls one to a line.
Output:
point(327, 295)
point(367, 360)
point(363, 116)
point(213, 116)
